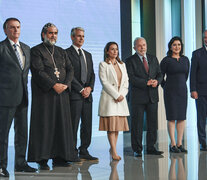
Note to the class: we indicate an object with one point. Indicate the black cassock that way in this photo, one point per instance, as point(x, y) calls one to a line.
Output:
point(50, 128)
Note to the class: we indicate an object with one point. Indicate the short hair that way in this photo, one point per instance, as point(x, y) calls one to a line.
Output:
point(45, 27)
point(106, 49)
point(73, 30)
point(175, 38)
point(138, 38)
point(10, 19)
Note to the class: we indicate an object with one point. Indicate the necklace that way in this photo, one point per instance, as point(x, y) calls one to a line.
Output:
point(114, 63)
point(57, 73)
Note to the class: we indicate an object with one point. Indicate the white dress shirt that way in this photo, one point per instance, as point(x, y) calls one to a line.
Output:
point(19, 49)
point(77, 48)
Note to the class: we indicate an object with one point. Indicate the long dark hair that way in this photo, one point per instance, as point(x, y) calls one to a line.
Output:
point(176, 38)
point(106, 49)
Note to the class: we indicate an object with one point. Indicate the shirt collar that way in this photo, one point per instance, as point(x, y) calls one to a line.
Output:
point(76, 48)
point(205, 47)
point(12, 42)
point(140, 56)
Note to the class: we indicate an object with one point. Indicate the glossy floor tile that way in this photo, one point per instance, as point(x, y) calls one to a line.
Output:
point(191, 166)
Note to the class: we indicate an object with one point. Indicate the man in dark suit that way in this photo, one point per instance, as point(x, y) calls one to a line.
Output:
point(198, 88)
point(144, 77)
point(80, 96)
point(14, 67)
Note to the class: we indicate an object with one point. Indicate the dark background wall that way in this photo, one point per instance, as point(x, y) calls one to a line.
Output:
point(126, 28)
point(148, 24)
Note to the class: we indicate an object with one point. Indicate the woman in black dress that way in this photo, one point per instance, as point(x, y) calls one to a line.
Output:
point(176, 68)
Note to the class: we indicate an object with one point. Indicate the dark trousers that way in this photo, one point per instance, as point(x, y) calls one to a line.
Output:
point(19, 114)
point(201, 105)
point(82, 109)
point(137, 118)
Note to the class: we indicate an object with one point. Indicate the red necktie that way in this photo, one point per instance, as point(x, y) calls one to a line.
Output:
point(145, 64)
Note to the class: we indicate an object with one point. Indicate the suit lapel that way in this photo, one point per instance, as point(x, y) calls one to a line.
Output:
point(113, 72)
point(122, 73)
point(204, 50)
point(25, 55)
point(87, 59)
point(140, 63)
point(74, 53)
point(12, 53)
point(149, 64)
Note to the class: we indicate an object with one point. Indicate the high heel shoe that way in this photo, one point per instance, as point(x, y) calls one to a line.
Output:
point(116, 158)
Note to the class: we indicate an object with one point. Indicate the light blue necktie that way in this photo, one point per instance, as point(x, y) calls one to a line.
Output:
point(18, 55)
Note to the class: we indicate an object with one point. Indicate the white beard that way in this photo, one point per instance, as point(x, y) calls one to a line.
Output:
point(48, 41)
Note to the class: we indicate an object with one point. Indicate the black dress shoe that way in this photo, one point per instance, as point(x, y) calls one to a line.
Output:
point(182, 149)
point(4, 172)
point(174, 149)
point(154, 152)
point(77, 161)
point(24, 168)
point(138, 154)
point(61, 164)
point(87, 157)
point(203, 147)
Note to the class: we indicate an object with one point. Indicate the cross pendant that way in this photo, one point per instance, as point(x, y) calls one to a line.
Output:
point(57, 73)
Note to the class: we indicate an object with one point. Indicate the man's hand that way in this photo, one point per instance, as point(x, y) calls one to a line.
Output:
point(149, 82)
point(59, 88)
point(154, 83)
point(86, 92)
point(194, 94)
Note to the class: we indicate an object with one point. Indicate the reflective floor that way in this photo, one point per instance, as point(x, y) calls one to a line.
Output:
point(190, 166)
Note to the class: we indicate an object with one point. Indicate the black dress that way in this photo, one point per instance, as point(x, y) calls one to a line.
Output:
point(175, 88)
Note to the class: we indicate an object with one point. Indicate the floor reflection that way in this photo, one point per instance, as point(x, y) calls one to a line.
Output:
point(191, 166)
point(177, 168)
point(144, 168)
point(114, 173)
point(202, 166)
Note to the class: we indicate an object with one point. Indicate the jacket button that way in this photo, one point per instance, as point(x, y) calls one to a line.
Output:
point(113, 84)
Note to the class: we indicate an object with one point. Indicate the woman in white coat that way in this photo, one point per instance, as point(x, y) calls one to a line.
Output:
point(113, 108)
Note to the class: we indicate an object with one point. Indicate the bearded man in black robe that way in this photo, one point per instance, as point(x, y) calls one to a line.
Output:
point(51, 134)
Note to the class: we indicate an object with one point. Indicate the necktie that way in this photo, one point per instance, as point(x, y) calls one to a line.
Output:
point(83, 67)
point(18, 55)
point(145, 64)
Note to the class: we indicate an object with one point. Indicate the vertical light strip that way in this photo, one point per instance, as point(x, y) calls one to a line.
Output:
point(168, 22)
point(189, 46)
point(136, 20)
point(205, 4)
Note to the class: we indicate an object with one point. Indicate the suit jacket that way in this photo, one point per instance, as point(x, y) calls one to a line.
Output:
point(108, 78)
point(198, 73)
point(13, 80)
point(138, 77)
point(77, 85)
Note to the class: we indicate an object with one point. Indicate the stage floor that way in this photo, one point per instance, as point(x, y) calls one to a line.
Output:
point(181, 166)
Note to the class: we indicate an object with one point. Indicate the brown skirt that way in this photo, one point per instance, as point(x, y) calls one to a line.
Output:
point(113, 123)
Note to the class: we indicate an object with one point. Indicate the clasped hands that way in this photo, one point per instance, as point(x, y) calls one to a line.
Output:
point(152, 82)
point(59, 87)
point(119, 99)
point(86, 92)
